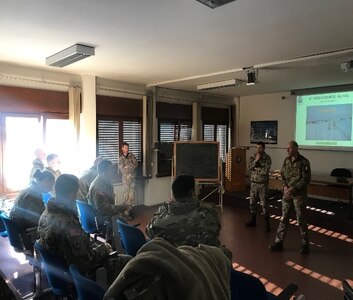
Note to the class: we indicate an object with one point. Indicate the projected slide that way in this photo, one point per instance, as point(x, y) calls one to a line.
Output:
point(329, 122)
point(325, 120)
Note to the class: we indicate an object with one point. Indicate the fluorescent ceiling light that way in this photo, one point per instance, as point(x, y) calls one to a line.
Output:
point(215, 3)
point(220, 84)
point(69, 55)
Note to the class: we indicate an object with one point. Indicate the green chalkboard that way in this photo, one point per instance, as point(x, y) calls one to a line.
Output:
point(197, 158)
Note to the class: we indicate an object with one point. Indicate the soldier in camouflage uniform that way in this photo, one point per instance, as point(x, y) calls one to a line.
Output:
point(259, 166)
point(53, 165)
point(38, 163)
point(60, 232)
point(296, 175)
point(102, 198)
point(86, 179)
point(186, 220)
point(127, 165)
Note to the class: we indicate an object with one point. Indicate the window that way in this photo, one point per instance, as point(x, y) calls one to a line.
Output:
point(169, 132)
point(111, 135)
point(23, 133)
point(219, 133)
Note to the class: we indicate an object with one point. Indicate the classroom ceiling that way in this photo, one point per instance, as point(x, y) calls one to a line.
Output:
point(156, 41)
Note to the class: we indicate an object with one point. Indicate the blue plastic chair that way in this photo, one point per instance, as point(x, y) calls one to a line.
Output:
point(46, 197)
point(16, 242)
point(132, 238)
point(57, 272)
point(87, 217)
point(87, 289)
point(3, 231)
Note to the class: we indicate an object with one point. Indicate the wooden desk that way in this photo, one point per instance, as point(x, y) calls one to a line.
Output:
point(321, 185)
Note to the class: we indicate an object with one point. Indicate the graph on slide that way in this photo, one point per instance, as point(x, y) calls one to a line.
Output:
point(329, 122)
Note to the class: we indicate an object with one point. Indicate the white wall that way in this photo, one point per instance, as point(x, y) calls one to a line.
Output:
point(273, 107)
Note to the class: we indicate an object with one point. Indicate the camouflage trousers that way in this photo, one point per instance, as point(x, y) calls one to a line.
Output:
point(299, 203)
point(259, 191)
point(129, 185)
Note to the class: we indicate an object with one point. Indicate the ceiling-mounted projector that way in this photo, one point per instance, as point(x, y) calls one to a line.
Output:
point(215, 3)
point(69, 55)
point(347, 66)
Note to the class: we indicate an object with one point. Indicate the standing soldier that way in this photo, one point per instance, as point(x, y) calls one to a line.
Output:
point(259, 166)
point(296, 175)
point(127, 166)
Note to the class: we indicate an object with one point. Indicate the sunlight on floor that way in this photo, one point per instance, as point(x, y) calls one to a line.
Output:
point(321, 230)
point(336, 283)
point(270, 286)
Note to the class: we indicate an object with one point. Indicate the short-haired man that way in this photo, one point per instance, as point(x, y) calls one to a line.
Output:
point(86, 179)
point(296, 176)
point(60, 232)
point(53, 164)
point(127, 165)
point(186, 220)
point(259, 166)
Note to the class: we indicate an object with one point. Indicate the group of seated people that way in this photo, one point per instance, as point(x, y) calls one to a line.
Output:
point(184, 248)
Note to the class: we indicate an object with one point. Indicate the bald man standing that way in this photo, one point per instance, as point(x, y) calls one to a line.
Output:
point(296, 176)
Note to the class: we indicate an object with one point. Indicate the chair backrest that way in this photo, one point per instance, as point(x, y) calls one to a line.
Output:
point(132, 237)
point(46, 197)
point(87, 216)
point(86, 289)
point(245, 286)
point(13, 233)
point(3, 231)
point(341, 172)
point(57, 271)
point(347, 290)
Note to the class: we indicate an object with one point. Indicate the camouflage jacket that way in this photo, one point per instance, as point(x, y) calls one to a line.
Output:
point(37, 164)
point(296, 174)
point(187, 222)
point(60, 232)
point(56, 173)
point(85, 181)
point(28, 207)
point(101, 196)
point(260, 169)
point(127, 165)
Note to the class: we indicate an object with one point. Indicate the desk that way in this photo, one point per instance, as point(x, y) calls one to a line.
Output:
point(321, 185)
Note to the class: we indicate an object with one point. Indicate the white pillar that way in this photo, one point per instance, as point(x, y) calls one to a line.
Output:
point(88, 128)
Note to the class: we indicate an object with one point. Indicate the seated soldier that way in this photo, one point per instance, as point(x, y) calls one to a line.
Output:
point(29, 206)
point(101, 196)
point(186, 220)
point(60, 232)
point(86, 179)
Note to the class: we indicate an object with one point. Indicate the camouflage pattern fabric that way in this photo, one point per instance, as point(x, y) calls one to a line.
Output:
point(259, 176)
point(259, 170)
point(28, 207)
point(187, 222)
point(56, 173)
point(37, 164)
point(85, 181)
point(299, 203)
point(295, 174)
point(259, 191)
point(127, 166)
point(60, 232)
point(101, 196)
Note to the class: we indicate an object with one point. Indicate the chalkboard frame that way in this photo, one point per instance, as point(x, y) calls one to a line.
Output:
point(213, 180)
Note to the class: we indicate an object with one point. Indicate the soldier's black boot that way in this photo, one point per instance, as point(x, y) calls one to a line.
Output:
point(267, 223)
point(277, 246)
point(252, 221)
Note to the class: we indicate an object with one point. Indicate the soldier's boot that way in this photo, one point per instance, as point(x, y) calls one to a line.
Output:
point(304, 249)
point(267, 223)
point(277, 246)
point(252, 221)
